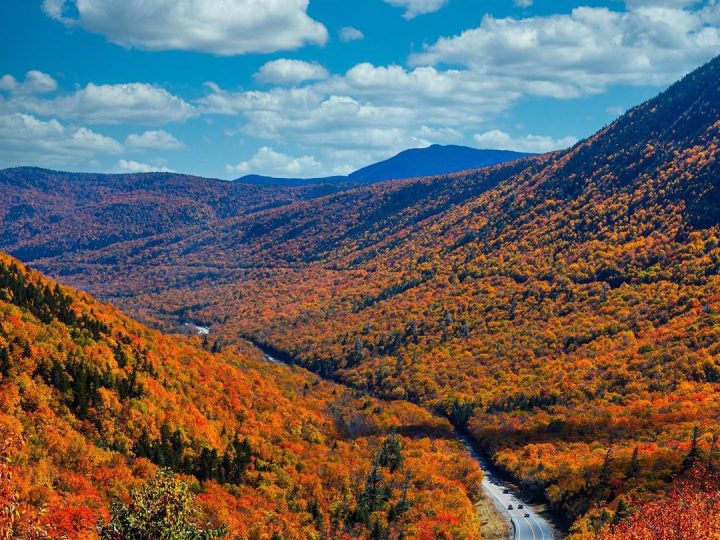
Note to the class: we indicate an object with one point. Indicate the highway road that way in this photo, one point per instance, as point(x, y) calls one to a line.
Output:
point(527, 523)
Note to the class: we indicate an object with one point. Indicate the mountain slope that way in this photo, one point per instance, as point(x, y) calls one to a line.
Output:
point(566, 312)
point(564, 308)
point(93, 402)
point(47, 212)
point(260, 180)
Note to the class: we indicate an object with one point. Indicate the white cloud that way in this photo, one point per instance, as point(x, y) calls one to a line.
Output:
point(524, 3)
point(153, 140)
point(348, 33)
point(36, 82)
point(27, 140)
point(632, 4)
point(501, 140)
point(583, 52)
point(366, 107)
point(130, 103)
point(285, 71)
point(222, 27)
point(413, 8)
point(368, 114)
point(616, 110)
point(268, 162)
point(459, 84)
point(129, 166)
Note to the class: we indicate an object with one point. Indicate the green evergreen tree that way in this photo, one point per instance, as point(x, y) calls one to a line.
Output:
point(633, 471)
point(391, 453)
point(693, 455)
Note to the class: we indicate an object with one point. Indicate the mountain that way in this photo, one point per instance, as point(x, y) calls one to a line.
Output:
point(432, 161)
point(93, 403)
point(562, 309)
point(47, 212)
point(42, 210)
point(414, 163)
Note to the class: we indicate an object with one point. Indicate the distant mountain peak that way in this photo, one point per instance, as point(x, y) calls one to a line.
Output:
point(433, 160)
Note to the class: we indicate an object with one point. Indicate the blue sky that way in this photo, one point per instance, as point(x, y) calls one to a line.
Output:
point(224, 88)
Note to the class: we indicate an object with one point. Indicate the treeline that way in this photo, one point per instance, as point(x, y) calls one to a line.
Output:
point(45, 302)
point(79, 383)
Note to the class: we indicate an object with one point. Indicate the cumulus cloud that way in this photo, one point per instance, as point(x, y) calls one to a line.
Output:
point(129, 166)
point(583, 52)
point(130, 103)
point(27, 140)
point(453, 88)
point(285, 71)
point(413, 8)
point(348, 33)
point(227, 27)
point(153, 140)
point(367, 106)
point(501, 140)
point(36, 82)
point(665, 3)
point(268, 162)
point(459, 85)
point(367, 114)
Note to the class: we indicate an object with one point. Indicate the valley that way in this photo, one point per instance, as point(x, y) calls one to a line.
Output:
point(560, 310)
point(360, 270)
point(97, 402)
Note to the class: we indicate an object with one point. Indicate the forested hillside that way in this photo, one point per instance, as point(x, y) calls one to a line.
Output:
point(564, 309)
point(47, 212)
point(93, 404)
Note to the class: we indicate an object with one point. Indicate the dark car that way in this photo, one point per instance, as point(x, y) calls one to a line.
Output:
point(527, 515)
point(510, 506)
point(506, 491)
point(520, 507)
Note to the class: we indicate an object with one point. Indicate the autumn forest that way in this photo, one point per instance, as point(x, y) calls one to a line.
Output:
point(561, 310)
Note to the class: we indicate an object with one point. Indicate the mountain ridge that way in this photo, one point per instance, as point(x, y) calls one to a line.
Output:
point(42, 205)
point(433, 160)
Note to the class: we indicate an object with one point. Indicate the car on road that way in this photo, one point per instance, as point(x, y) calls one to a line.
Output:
point(506, 491)
point(527, 515)
point(520, 507)
point(510, 506)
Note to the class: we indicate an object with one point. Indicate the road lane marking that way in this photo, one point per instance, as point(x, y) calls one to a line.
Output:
point(539, 526)
point(542, 531)
point(499, 497)
point(505, 499)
